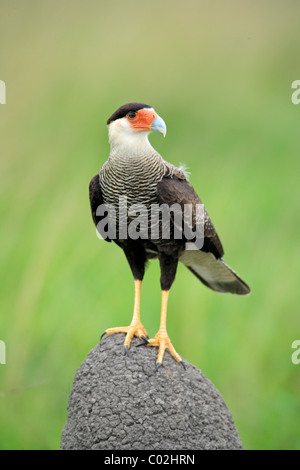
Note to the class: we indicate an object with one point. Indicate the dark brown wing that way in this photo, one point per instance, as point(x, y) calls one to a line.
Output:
point(96, 200)
point(206, 263)
point(173, 190)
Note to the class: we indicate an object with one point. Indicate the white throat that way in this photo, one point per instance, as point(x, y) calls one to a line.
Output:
point(124, 140)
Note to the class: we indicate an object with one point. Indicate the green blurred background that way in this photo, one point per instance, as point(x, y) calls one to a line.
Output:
point(220, 74)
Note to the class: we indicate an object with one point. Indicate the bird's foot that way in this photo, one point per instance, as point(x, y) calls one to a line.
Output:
point(162, 340)
point(134, 329)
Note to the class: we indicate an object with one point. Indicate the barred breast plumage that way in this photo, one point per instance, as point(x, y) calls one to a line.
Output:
point(135, 177)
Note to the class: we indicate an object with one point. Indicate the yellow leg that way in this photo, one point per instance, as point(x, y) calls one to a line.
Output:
point(135, 328)
point(161, 339)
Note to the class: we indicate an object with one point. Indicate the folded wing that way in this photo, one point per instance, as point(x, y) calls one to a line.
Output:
point(206, 263)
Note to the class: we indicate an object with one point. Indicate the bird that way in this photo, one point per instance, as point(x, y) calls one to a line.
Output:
point(137, 175)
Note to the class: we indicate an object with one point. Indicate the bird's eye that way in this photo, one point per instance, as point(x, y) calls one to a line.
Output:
point(131, 115)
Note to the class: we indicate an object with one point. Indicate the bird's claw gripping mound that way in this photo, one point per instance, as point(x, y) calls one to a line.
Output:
point(163, 342)
point(135, 329)
point(160, 340)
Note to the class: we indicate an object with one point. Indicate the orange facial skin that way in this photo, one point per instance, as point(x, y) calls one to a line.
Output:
point(142, 120)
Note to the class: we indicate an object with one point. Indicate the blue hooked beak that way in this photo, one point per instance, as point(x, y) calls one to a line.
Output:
point(159, 126)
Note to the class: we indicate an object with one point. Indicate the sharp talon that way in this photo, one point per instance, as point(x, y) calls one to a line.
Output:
point(103, 334)
point(145, 339)
point(183, 365)
point(157, 366)
point(126, 351)
point(143, 343)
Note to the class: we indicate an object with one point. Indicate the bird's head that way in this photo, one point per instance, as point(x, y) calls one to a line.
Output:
point(133, 122)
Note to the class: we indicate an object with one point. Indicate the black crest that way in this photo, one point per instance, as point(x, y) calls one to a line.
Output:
point(123, 110)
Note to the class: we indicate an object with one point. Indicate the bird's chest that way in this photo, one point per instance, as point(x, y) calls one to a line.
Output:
point(136, 181)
